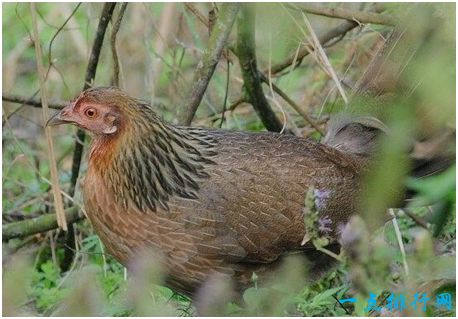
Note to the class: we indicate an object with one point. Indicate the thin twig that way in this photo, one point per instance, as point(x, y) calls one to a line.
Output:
point(226, 94)
point(59, 29)
point(35, 102)
point(58, 105)
point(341, 13)
point(237, 103)
point(50, 62)
point(400, 242)
point(43, 18)
point(69, 272)
point(205, 22)
point(247, 58)
point(76, 33)
point(294, 105)
point(52, 244)
point(418, 220)
point(114, 52)
point(338, 31)
point(324, 58)
point(166, 23)
point(320, 55)
point(197, 13)
point(58, 203)
point(210, 58)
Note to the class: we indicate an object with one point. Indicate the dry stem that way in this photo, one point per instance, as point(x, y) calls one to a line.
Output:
point(58, 202)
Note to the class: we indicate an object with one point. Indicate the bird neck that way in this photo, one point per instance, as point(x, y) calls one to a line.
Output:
point(153, 161)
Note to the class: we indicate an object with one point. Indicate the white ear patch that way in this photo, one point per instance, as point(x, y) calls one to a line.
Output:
point(110, 130)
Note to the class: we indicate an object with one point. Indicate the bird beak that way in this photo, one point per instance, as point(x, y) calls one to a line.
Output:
point(61, 118)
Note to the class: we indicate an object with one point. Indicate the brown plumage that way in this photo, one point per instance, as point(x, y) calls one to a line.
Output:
point(208, 200)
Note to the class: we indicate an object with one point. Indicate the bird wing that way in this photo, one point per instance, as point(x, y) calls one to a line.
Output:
point(251, 209)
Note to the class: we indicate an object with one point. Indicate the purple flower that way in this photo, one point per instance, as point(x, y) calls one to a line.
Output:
point(321, 195)
point(324, 223)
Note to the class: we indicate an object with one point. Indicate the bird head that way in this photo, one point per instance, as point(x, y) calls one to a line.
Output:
point(97, 110)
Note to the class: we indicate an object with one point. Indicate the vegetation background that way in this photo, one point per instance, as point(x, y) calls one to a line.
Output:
point(152, 51)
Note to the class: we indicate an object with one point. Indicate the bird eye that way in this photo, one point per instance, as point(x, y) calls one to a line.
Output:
point(90, 112)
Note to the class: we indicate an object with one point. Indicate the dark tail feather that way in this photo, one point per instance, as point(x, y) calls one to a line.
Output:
point(360, 135)
point(434, 155)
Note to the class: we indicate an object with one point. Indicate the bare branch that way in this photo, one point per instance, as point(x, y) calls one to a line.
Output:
point(197, 13)
point(339, 31)
point(58, 105)
point(37, 225)
point(351, 15)
point(237, 103)
point(247, 58)
point(210, 58)
point(114, 52)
